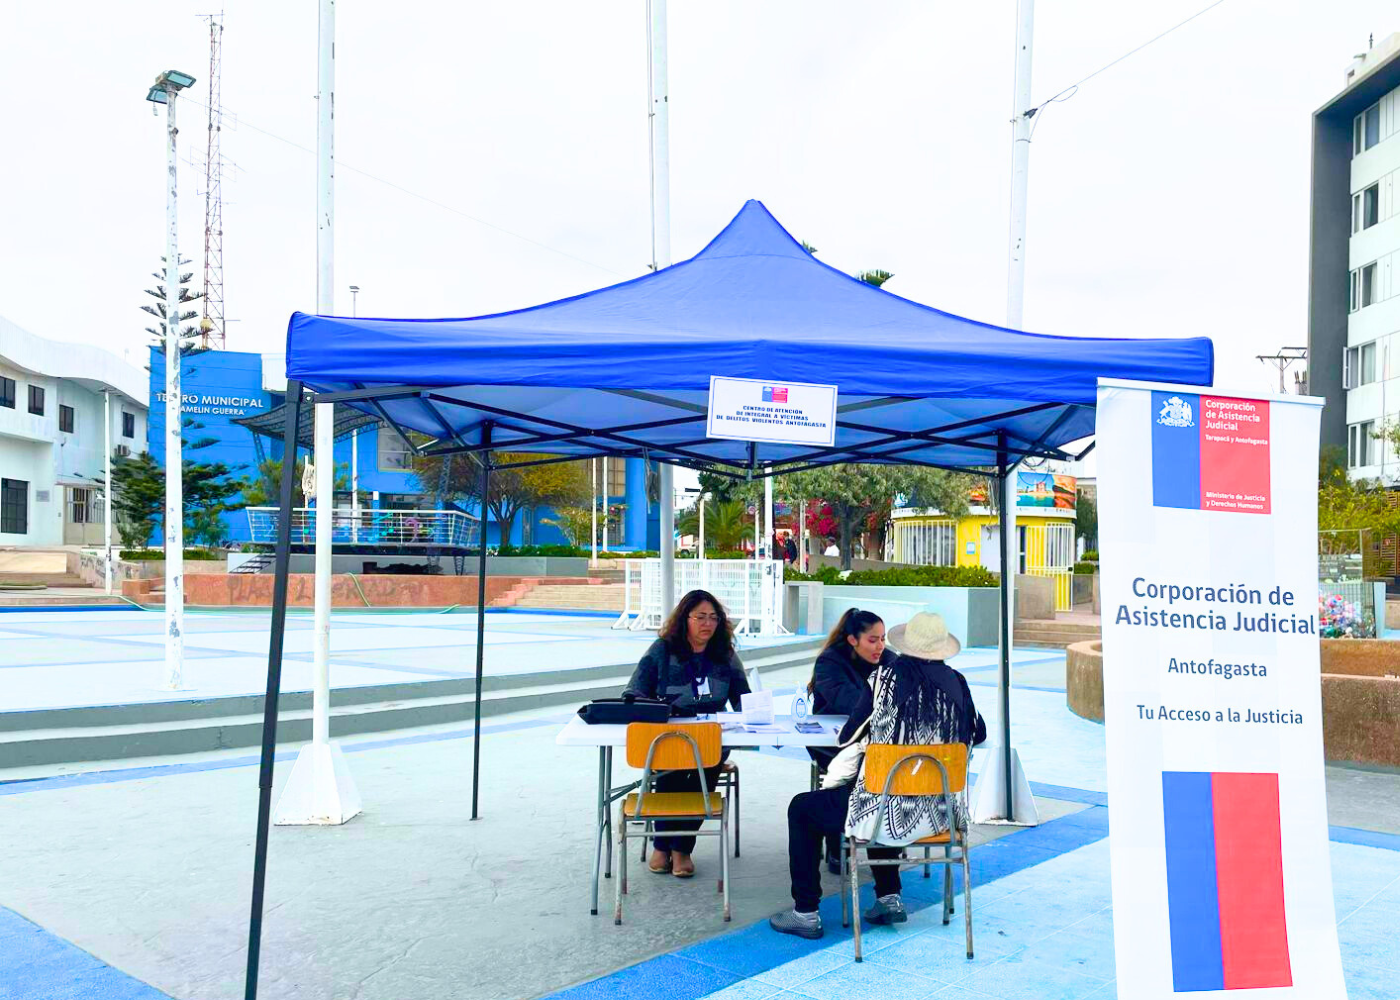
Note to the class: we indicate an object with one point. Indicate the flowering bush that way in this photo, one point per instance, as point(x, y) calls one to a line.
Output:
point(1343, 619)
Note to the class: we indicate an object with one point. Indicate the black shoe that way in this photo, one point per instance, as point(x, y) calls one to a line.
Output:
point(887, 910)
point(800, 924)
point(833, 859)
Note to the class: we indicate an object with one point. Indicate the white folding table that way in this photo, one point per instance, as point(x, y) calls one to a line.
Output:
point(577, 733)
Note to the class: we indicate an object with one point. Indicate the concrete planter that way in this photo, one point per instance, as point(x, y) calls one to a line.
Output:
point(802, 607)
point(971, 612)
point(538, 565)
point(1084, 679)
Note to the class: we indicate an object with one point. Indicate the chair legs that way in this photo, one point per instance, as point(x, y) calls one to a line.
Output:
point(947, 889)
point(855, 896)
point(738, 804)
point(926, 872)
point(967, 900)
point(845, 897)
point(724, 855)
point(621, 885)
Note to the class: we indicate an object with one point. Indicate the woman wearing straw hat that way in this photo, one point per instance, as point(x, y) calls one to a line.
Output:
point(918, 699)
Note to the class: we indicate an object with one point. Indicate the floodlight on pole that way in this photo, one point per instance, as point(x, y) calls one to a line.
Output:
point(163, 91)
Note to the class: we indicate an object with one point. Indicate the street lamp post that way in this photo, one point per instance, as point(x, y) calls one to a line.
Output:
point(354, 301)
point(163, 91)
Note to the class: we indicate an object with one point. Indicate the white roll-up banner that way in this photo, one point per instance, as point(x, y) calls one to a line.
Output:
point(1222, 883)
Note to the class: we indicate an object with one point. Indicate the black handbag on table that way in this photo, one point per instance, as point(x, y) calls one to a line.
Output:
point(621, 711)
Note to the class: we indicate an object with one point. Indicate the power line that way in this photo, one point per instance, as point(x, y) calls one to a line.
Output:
point(1069, 91)
point(342, 165)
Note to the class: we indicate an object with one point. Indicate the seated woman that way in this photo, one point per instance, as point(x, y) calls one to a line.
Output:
point(692, 663)
point(918, 700)
point(840, 683)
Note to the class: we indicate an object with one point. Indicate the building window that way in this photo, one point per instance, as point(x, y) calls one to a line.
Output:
point(1359, 366)
point(14, 507)
point(617, 477)
point(1365, 208)
point(1366, 130)
point(928, 543)
point(36, 400)
point(1360, 449)
point(128, 424)
point(65, 418)
point(1363, 287)
point(394, 453)
point(7, 392)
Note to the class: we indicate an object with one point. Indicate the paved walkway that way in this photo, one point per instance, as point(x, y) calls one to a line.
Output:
point(133, 881)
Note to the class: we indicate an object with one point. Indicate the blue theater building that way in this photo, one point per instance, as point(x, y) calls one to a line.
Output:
point(232, 410)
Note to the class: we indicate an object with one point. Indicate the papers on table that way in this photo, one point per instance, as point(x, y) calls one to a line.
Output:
point(758, 708)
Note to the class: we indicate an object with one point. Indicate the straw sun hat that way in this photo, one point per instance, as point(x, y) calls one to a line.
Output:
point(925, 636)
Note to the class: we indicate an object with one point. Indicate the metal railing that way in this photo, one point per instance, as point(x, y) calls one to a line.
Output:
point(422, 529)
point(751, 592)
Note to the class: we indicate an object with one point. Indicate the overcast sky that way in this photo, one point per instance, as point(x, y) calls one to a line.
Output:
point(1168, 197)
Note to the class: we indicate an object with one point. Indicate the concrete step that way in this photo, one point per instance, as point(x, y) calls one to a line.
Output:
point(112, 732)
point(1053, 638)
point(47, 579)
point(49, 599)
point(600, 597)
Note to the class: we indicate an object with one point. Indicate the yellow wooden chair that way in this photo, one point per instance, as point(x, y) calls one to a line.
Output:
point(670, 746)
point(891, 769)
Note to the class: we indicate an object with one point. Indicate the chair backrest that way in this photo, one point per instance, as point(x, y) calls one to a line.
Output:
point(919, 776)
point(673, 751)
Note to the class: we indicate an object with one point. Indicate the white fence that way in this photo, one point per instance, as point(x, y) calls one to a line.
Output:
point(391, 528)
point(751, 592)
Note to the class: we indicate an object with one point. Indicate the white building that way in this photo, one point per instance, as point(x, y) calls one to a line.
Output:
point(52, 450)
point(1354, 295)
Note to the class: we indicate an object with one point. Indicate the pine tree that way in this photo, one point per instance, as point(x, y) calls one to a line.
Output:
point(187, 334)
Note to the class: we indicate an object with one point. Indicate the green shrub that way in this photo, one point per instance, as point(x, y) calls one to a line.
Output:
point(548, 551)
point(1091, 555)
point(912, 576)
point(1085, 568)
point(156, 555)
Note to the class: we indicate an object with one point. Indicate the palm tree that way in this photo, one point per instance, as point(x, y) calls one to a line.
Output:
point(727, 524)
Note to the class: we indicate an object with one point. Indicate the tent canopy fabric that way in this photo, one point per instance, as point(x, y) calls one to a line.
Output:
point(625, 369)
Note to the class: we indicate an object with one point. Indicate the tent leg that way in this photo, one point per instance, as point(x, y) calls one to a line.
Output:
point(1007, 568)
point(667, 504)
point(274, 681)
point(481, 617)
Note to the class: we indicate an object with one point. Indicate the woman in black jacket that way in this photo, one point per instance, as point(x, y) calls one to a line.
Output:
point(840, 684)
point(693, 664)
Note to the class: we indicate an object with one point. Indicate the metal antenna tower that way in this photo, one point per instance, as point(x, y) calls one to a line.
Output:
point(211, 327)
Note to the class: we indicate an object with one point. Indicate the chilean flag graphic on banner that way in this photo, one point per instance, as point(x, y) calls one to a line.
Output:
point(775, 394)
point(1225, 881)
point(1210, 453)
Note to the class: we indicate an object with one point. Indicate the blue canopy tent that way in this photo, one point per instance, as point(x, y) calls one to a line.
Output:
point(624, 371)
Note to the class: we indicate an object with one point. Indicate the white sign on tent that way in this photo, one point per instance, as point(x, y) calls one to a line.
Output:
point(1212, 694)
point(745, 409)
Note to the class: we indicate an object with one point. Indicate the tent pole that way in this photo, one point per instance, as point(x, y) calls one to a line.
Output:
point(667, 489)
point(481, 618)
point(1004, 680)
point(274, 680)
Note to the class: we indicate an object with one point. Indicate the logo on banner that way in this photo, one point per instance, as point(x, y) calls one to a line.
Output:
point(1210, 453)
point(1176, 412)
point(1224, 881)
point(775, 394)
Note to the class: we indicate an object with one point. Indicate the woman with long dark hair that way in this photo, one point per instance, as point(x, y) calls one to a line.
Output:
point(693, 664)
point(840, 684)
